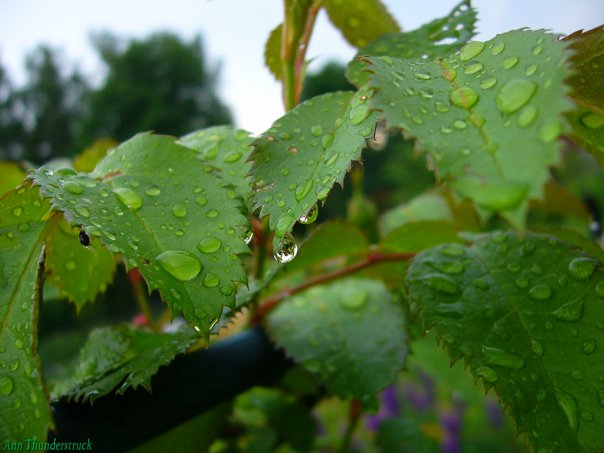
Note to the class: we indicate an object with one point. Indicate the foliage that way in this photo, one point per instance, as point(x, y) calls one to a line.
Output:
point(495, 262)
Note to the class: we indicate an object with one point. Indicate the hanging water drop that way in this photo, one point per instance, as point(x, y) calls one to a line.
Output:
point(287, 249)
point(310, 216)
point(181, 265)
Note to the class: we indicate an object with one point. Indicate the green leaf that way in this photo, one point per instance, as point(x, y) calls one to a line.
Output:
point(24, 409)
point(526, 313)
point(418, 236)
point(272, 51)
point(297, 161)
point(488, 116)
point(350, 333)
point(228, 150)
point(330, 240)
point(12, 175)
point(434, 39)
point(152, 201)
point(361, 21)
point(588, 68)
point(427, 206)
point(79, 272)
point(122, 354)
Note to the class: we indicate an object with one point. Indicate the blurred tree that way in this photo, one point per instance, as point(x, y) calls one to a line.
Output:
point(39, 120)
point(160, 83)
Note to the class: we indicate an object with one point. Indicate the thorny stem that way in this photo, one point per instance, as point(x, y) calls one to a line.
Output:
point(293, 53)
point(140, 296)
point(354, 415)
point(372, 259)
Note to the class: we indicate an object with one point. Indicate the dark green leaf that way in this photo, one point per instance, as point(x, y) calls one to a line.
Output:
point(350, 333)
point(298, 160)
point(526, 313)
point(80, 272)
point(361, 21)
point(588, 131)
point(587, 79)
point(121, 354)
point(228, 150)
point(152, 201)
point(24, 409)
point(272, 51)
point(434, 39)
point(488, 116)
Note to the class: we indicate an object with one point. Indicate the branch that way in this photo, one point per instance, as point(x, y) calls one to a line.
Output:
point(372, 259)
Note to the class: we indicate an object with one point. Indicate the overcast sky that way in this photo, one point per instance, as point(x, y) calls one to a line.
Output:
point(234, 33)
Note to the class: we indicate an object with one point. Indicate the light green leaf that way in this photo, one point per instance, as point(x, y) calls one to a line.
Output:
point(272, 51)
point(418, 236)
point(434, 39)
point(526, 314)
point(79, 272)
point(298, 160)
point(122, 354)
point(24, 409)
point(152, 201)
point(427, 206)
point(488, 116)
point(328, 328)
point(361, 21)
point(12, 175)
point(228, 150)
point(87, 159)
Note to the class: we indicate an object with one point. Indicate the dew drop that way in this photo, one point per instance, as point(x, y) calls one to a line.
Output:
point(128, 198)
point(509, 62)
point(497, 48)
point(312, 365)
point(530, 70)
point(73, 187)
point(568, 406)
point(181, 265)
point(70, 265)
point(499, 357)
point(537, 50)
point(287, 249)
point(540, 292)
point(600, 289)
point(359, 113)
point(210, 280)
point(316, 130)
point(471, 50)
point(452, 250)
point(283, 225)
point(570, 312)
point(582, 268)
point(527, 115)
point(589, 346)
point(487, 374)
point(354, 300)
point(17, 211)
point(537, 348)
point(152, 191)
point(6, 385)
point(83, 211)
point(231, 157)
point(226, 290)
point(248, 236)
point(472, 68)
point(212, 213)
point(488, 82)
point(179, 210)
point(19, 344)
point(303, 189)
point(592, 120)
point(423, 76)
point(515, 94)
point(464, 97)
point(209, 245)
point(550, 131)
point(310, 216)
point(442, 283)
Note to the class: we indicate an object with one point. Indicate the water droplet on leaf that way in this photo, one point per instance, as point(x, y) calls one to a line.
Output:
point(209, 245)
point(464, 97)
point(592, 120)
point(540, 292)
point(441, 283)
point(570, 312)
point(6, 385)
point(515, 94)
point(128, 198)
point(179, 210)
point(471, 50)
point(181, 265)
point(73, 187)
point(582, 268)
point(210, 280)
point(568, 406)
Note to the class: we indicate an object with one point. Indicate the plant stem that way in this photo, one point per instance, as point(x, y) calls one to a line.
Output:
point(293, 53)
point(354, 415)
point(372, 259)
point(140, 296)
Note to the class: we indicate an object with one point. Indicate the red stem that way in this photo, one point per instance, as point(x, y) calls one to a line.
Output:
point(373, 258)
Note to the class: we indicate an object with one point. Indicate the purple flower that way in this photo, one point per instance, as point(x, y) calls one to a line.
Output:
point(389, 407)
point(494, 414)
